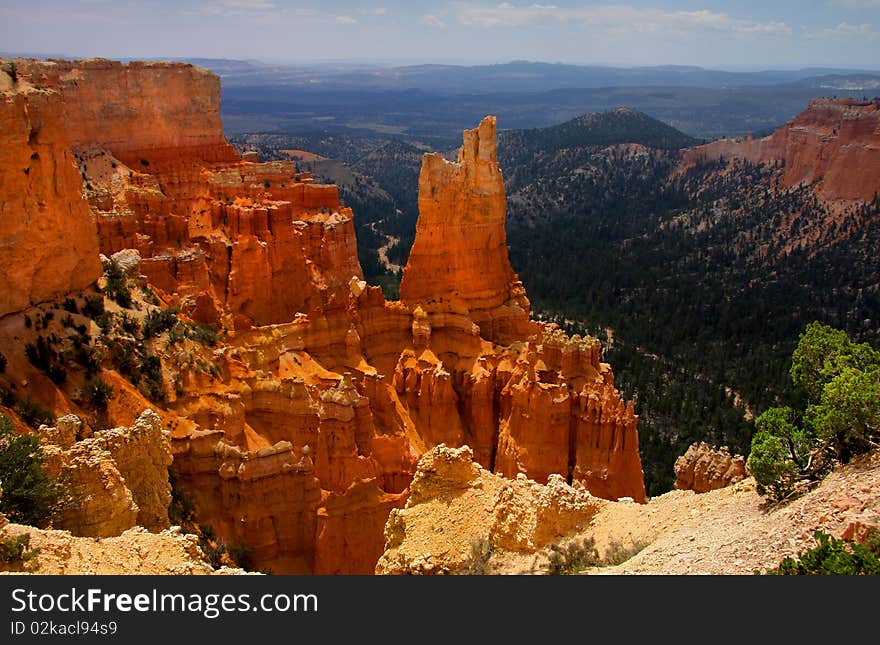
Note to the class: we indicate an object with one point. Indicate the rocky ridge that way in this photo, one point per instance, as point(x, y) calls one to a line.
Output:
point(820, 146)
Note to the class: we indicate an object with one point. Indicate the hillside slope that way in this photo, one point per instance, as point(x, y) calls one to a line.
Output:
point(729, 531)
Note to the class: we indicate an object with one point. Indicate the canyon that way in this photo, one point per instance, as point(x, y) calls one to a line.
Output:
point(297, 431)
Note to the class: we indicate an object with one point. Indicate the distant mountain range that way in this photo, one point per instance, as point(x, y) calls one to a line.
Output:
point(516, 76)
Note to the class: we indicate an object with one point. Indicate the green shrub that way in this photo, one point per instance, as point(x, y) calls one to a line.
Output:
point(151, 370)
point(204, 334)
point(16, 551)
point(98, 393)
point(30, 496)
point(34, 414)
point(130, 324)
point(572, 558)
point(93, 307)
point(618, 553)
point(7, 397)
point(123, 354)
point(182, 509)
point(11, 69)
point(841, 383)
point(832, 557)
point(70, 305)
point(116, 287)
point(159, 321)
point(105, 321)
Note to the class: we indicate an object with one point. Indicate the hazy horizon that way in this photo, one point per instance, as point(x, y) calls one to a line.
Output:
point(391, 63)
point(749, 36)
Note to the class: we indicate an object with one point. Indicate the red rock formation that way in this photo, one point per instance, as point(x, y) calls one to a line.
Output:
point(459, 262)
point(47, 233)
point(156, 111)
point(703, 468)
point(822, 145)
point(162, 179)
point(321, 396)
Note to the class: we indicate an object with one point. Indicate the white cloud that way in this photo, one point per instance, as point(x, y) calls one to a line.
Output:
point(345, 20)
point(237, 7)
point(616, 17)
point(432, 21)
point(846, 29)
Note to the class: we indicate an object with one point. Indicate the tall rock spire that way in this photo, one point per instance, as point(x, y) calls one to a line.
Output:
point(459, 263)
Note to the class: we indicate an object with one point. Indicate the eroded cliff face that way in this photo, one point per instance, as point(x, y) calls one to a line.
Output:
point(822, 145)
point(47, 234)
point(300, 430)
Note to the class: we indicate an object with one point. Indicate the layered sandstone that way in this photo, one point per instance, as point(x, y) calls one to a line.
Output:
point(703, 468)
point(260, 240)
point(822, 145)
point(47, 233)
point(299, 432)
point(151, 110)
point(459, 263)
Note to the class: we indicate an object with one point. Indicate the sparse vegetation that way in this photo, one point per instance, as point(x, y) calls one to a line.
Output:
point(98, 393)
point(117, 286)
point(576, 556)
point(181, 511)
point(158, 322)
point(33, 414)
point(573, 557)
point(11, 69)
point(15, 552)
point(241, 555)
point(44, 357)
point(69, 305)
point(834, 557)
point(93, 307)
point(618, 552)
point(204, 334)
point(477, 562)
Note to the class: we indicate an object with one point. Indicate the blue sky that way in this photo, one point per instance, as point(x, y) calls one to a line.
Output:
point(731, 35)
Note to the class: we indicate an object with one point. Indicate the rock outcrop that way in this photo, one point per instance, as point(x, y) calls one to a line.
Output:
point(115, 479)
point(134, 552)
point(47, 233)
point(455, 503)
point(822, 146)
point(458, 262)
point(703, 468)
point(298, 431)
